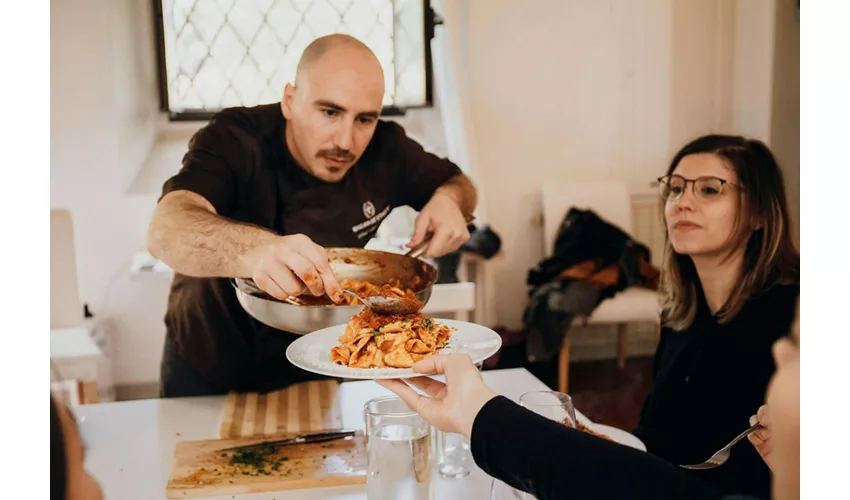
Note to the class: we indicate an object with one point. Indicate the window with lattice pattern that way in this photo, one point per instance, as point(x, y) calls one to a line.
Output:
point(220, 53)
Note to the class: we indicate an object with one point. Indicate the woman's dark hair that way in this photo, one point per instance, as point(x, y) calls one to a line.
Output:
point(763, 225)
point(58, 457)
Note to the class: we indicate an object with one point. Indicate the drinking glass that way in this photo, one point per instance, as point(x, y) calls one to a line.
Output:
point(553, 405)
point(454, 459)
point(398, 442)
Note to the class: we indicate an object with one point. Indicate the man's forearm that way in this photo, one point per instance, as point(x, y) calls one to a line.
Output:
point(195, 241)
point(462, 191)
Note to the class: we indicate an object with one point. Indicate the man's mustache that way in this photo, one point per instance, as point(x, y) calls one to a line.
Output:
point(336, 154)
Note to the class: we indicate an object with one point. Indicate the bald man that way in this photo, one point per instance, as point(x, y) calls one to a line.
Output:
point(263, 190)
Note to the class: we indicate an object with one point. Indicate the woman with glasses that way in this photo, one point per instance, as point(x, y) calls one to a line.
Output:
point(730, 286)
point(730, 280)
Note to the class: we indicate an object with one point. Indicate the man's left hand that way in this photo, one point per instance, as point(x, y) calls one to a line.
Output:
point(442, 217)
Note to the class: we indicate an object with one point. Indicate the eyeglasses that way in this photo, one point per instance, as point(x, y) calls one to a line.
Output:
point(705, 189)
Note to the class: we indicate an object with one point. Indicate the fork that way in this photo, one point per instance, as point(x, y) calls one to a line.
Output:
point(722, 456)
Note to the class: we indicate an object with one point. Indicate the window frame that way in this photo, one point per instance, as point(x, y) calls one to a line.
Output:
point(430, 21)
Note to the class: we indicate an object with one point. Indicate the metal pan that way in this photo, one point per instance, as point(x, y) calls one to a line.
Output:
point(369, 265)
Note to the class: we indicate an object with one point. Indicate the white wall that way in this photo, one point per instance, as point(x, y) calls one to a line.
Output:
point(785, 119)
point(101, 123)
point(755, 24)
point(562, 89)
point(603, 89)
point(702, 50)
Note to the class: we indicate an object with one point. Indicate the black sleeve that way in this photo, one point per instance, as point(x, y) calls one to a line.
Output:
point(552, 461)
point(417, 172)
point(212, 166)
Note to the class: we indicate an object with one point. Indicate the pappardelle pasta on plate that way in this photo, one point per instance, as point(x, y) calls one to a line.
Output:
point(374, 340)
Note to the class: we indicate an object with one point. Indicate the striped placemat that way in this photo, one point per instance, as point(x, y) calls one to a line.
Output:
point(305, 407)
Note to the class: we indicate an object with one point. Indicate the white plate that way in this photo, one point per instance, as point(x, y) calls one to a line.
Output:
point(312, 352)
point(619, 436)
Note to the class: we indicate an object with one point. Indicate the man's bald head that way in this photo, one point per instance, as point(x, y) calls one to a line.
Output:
point(335, 49)
point(333, 108)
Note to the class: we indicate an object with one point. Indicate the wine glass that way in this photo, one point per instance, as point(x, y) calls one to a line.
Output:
point(553, 405)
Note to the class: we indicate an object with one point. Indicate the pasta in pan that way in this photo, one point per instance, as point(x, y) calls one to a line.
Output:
point(362, 288)
point(366, 289)
point(389, 341)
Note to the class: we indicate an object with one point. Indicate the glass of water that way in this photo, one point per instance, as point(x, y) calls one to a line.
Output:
point(399, 448)
point(454, 460)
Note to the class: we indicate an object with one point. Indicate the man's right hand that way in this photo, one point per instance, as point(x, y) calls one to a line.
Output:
point(290, 265)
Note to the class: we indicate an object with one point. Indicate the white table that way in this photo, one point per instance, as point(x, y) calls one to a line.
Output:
point(130, 444)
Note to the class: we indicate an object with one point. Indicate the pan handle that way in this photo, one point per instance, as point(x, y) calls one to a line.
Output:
point(419, 249)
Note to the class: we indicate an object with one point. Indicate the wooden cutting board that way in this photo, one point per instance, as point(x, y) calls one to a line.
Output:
point(306, 407)
point(200, 469)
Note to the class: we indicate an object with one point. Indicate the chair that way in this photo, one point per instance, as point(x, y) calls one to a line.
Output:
point(611, 201)
point(65, 308)
point(73, 352)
